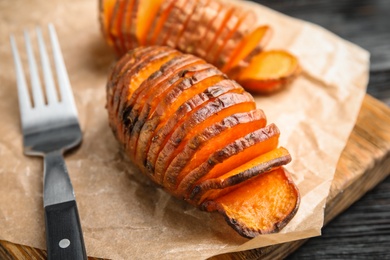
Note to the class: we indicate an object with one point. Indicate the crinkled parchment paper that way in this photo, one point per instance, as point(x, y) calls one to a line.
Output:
point(123, 214)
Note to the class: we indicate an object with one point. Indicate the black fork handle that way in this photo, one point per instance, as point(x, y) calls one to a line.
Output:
point(64, 237)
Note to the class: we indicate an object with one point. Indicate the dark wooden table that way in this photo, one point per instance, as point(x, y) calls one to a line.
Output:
point(362, 231)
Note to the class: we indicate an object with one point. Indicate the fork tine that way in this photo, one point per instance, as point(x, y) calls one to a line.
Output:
point(62, 75)
point(23, 95)
point(34, 76)
point(47, 72)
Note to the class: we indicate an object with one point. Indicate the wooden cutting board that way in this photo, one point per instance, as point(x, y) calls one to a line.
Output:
point(364, 163)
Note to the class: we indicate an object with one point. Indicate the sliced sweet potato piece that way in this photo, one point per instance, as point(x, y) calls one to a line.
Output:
point(182, 113)
point(197, 26)
point(211, 113)
point(217, 25)
point(128, 81)
point(142, 19)
point(224, 21)
point(133, 66)
point(156, 97)
point(229, 157)
point(173, 22)
point(249, 46)
point(213, 188)
point(115, 84)
point(133, 104)
point(214, 137)
point(116, 27)
point(106, 8)
point(128, 21)
point(232, 20)
point(159, 21)
point(265, 204)
point(269, 71)
point(181, 26)
point(139, 73)
point(244, 26)
point(192, 85)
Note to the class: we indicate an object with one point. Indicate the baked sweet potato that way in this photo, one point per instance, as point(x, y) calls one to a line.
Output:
point(200, 136)
point(220, 32)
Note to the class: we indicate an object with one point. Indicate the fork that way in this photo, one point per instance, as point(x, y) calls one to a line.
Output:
point(49, 129)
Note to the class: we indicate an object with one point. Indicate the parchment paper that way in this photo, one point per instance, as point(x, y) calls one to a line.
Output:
point(123, 214)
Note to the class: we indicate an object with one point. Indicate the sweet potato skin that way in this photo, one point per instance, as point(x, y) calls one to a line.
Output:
point(164, 106)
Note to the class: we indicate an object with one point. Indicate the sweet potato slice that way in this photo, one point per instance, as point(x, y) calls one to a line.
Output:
point(137, 75)
point(125, 86)
point(269, 71)
point(232, 20)
point(128, 21)
point(192, 85)
point(181, 26)
point(244, 26)
point(133, 105)
point(211, 113)
point(118, 74)
point(197, 26)
point(213, 137)
point(182, 113)
point(142, 18)
point(249, 46)
point(126, 76)
point(225, 12)
point(156, 97)
point(173, 23)
point(116, 27)
point(212, 188)
point(159, 21)
point(106, 8)
point(224, 22)
point(265, 204)
point(229, 157)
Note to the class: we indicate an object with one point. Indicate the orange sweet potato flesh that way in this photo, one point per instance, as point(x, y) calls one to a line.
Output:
point(199, 135)
point(212, 188)
point(155, 99)
point(106, 8)
point(229, 157)
point(138, 74)
point(152, 87)
point(142, 20)
point(249, 46)
point(173, 24)
point(159, 21)
point(183, 112)
point(116, 27)
point(213, 137)
point(265, 204)
point(130, 7)
point(193, 84)
point(269, 71)
point(197, 26)
point(211, 113)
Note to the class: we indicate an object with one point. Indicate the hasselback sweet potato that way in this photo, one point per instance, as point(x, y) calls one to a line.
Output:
point(219, 31)
point(200, 136)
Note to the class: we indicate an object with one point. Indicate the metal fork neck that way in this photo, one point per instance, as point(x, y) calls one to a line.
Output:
point(57, 187)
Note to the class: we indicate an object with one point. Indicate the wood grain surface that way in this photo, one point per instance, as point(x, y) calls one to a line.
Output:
point(358, 230)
